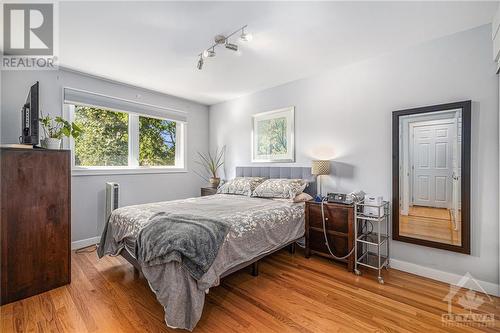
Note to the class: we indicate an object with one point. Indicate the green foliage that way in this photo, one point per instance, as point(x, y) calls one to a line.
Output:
point(104, 141)
point(58, 127)
point(212, 163)
point(156, 142)
point(272, 137)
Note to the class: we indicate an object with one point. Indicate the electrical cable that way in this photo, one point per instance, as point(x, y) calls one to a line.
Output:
point(326, 237)
point(365, 224)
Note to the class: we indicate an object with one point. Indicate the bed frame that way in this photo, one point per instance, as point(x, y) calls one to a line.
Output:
point(267, 172)
point(253, 262)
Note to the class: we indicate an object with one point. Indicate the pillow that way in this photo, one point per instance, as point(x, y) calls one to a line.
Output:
point(302, 197)
point(280, 188)
point(240, 185)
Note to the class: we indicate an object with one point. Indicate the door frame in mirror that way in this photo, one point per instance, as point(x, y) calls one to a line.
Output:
point(465, 106)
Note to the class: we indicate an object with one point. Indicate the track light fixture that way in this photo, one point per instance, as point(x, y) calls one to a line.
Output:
point(222, 39)
point(200, 63)
point(211, 53)
point(232, 47)
point(208, 53)
point(244, 36)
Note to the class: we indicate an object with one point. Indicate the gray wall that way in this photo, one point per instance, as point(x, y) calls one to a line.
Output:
point(88, 191)
point(345, 115)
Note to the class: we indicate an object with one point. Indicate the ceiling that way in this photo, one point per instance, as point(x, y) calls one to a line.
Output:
point(155, 44)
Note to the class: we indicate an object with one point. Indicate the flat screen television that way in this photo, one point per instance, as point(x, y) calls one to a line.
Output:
point(29, 117)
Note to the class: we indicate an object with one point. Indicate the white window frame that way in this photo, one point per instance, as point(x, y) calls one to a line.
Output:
point(133, 149)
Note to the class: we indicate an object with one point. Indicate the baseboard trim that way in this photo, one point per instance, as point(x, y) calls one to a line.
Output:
point(84, 243)
point(450, 278)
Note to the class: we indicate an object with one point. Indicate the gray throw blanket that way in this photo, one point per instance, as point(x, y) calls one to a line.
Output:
point(191, 240)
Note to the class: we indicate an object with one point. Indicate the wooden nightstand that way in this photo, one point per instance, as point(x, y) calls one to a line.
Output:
point(339, 220)
point(208, 191)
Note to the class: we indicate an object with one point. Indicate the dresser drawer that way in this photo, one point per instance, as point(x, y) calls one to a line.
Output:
point(338, 244)
point(336, 217)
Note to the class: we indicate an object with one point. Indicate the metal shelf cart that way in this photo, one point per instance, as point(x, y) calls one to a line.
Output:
point(371, 239)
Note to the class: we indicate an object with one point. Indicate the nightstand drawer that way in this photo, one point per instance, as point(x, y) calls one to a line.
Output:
point(208, 191)
point(338, 244)
point(336, 218)
point(339, 222)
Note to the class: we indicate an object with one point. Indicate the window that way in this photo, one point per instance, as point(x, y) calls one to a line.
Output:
point(119, 140)
point(124, 136)
point(156, 141)
point(105, 139)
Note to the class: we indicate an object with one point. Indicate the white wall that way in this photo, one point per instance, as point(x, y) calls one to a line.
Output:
point(495, 35)
point(345, 115)
point(496, 55)
point(88, 191)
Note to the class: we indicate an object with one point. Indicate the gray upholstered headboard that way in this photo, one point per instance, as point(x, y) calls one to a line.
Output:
point(281, 172)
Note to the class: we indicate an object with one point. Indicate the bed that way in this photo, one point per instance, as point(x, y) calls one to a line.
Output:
point(258, 227)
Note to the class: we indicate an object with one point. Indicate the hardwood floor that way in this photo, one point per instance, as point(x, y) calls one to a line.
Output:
point(430, 212)
point(429, 223)
point(291, 294)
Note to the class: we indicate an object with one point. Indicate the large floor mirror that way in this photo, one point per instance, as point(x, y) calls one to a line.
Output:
point(431, 176)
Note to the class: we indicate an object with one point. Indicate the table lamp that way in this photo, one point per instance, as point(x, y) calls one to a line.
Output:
point(320, 167)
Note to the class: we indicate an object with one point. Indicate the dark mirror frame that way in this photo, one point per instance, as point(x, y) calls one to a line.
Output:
point(465, 176)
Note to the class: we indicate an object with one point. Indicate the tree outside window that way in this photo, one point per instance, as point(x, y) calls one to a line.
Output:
point(156, 142)
point(105, 140)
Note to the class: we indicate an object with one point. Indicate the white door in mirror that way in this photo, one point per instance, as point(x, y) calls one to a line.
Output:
point(432, 165)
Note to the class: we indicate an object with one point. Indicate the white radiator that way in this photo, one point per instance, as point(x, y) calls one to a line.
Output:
point(112, 198)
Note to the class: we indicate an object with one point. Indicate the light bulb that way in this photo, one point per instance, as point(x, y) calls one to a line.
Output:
point(247, 37)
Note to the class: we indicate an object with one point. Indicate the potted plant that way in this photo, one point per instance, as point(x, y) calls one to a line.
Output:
point(211, 164)
point(55, 129)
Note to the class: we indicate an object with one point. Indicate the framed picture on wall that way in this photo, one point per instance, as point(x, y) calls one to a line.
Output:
point(273, 136)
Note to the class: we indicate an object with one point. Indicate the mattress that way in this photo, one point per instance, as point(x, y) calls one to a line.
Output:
point(258, 226)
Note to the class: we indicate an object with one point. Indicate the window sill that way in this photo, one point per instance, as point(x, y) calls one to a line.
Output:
point(77, 171)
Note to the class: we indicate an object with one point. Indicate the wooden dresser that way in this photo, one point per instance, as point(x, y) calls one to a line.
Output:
point(339, 220)
point(34, 221)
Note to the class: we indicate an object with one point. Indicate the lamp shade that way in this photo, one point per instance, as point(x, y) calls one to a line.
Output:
point(320, 167)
